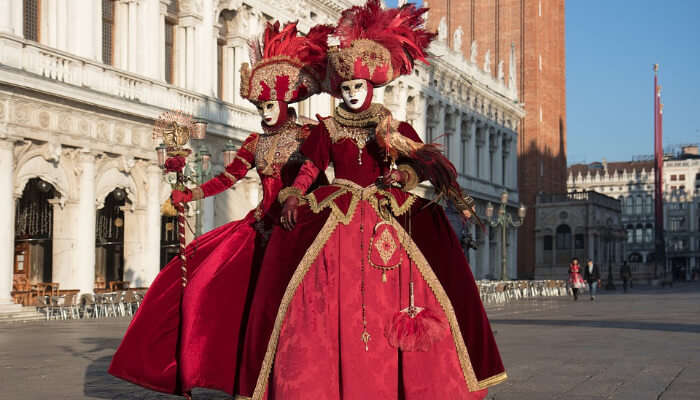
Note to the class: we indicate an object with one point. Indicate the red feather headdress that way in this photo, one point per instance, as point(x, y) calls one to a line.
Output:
point(289, 67)
point(378, 44)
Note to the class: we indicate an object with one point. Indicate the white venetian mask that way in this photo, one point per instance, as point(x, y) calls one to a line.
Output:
point(270, 112)
point(354, 93)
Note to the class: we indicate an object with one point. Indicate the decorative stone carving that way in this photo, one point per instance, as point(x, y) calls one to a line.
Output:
point(501, 74)
point(511, 68)
point(64, 123)
point(44, 119)
point(84, 127)
point(473, 52)
point(21, 114)
point(2, 111)
point(457, 39)
point(442, 29)
point(487, 61)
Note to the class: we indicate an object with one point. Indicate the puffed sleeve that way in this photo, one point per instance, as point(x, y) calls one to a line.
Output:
point(243, 161)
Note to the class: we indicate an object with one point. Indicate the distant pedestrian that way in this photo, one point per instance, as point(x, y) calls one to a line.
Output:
point(626, 275)
point(591, 274)
point(575, 279)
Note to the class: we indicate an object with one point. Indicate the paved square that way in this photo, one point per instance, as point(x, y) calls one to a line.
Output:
point(640, 345)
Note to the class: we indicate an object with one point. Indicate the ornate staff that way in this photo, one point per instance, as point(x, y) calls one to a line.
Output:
point(176, 128)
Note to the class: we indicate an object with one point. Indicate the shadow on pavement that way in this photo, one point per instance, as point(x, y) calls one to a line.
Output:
point(642, 326)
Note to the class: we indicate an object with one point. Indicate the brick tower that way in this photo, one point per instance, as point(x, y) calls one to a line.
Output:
point(533, 30)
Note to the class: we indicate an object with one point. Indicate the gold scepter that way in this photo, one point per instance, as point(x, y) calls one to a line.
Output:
point(175, 129)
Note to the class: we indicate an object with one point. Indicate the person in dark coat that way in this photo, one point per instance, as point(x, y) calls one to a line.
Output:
point(591, 274)
point(625, 275)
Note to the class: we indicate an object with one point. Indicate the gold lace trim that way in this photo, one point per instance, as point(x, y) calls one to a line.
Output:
point(240, 397)
point(273, 151)
point(229, 177)
point(290, 191)
point(427, 274)
point(244, 161)
point(492, 381)
point(301, 270)
point(372, 116)
point(329, 201)
point(358, 193)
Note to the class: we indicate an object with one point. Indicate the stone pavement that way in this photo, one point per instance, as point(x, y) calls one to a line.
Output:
point(640, 345)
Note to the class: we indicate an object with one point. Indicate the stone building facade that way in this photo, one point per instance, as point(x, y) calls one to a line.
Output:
point(632, 182)
point(81, 85)
point(586, 225)
point(521, 42)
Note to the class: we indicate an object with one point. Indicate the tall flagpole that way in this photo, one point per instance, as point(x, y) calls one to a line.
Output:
point(660, 257)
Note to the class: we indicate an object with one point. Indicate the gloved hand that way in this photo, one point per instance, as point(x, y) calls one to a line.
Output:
point(178, 196)
point(289, 213)
point(395, 176)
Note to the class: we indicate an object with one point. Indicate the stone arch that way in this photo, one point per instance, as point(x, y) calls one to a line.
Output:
point(111, 179)
point(51, 172)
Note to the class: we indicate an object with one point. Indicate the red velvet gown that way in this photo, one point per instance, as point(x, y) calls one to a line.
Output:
point(222, 268)
point(344, 271)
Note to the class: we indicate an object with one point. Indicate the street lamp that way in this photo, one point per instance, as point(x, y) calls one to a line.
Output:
point(505, 220)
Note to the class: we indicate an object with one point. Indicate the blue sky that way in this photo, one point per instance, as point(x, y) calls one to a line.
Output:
point(611, 46)
point(610, 49)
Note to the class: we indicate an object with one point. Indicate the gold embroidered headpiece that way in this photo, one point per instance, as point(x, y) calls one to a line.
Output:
point(376, 44)
point(287, 67)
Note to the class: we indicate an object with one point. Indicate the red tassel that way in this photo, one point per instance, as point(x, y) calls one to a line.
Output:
point(417, 333)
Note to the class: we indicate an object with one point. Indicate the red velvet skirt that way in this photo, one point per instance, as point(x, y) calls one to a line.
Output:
point(357, 283)
point(222, 267)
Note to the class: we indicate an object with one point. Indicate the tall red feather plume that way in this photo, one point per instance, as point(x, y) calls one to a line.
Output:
point(400, 30)
point(309, 50)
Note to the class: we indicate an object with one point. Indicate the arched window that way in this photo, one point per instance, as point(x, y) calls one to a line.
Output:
point(548, 242)
point(648, 233)
point(630, 233)
point(638, 204)
point(649, 205)
point(563, 237)
point(638, 233)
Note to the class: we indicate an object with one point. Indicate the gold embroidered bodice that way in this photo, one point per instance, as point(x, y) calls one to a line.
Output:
point(274, 149)
point(358, 127)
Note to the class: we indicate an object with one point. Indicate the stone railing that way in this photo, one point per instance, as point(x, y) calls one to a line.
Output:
point(59, 66)
point(589, 196)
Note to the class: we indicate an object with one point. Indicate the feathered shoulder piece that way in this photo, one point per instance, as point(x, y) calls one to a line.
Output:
point(379, 44)
point(287, 66)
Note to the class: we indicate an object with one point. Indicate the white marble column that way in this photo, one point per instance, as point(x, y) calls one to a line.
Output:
point(62, 25)
point(6, 15)
point(486, 255)
point(152, 261)
point(48, 20)
point(161, 41)
point(513, 254)
point(133, 35)
point(180, 57)
point(474, 261)
point(121, 35)
point(79, 36)
point(456, 142)
point(472, 149)
point(498, 160)
point(229, 74)
point(84, 264)
point(7, 219)
point(191, 58)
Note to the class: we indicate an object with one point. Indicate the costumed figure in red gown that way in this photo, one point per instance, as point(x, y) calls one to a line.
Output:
point(369, 295)
point(172, 351)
